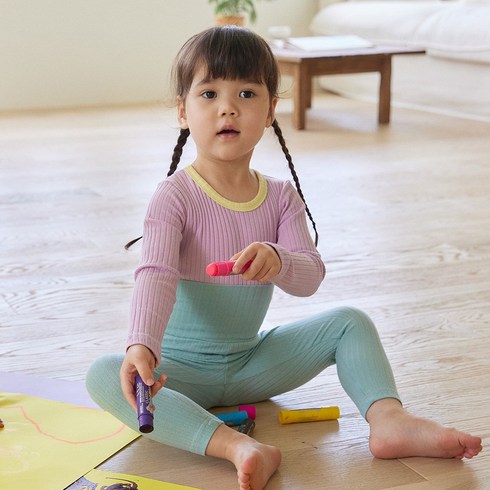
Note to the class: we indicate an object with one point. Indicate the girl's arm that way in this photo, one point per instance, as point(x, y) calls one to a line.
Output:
point(302, 268)
point(292, 262)
point(157, 276)
point(154, 292)
point(301, 271)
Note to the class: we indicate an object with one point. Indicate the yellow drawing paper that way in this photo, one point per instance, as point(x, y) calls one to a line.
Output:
point(98, 480)
point(48, 445)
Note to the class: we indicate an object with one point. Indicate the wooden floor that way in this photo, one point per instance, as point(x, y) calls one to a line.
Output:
point(404, 219)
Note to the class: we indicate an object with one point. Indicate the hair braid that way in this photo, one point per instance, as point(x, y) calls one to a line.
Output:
point(181, 141)
point(285, 150)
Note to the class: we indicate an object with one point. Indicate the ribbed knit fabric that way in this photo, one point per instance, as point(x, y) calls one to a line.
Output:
point(212, 350)
point(276, 361)
point(187, 227)
point(215, 319)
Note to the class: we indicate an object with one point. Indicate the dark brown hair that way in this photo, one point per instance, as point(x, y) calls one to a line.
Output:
point(227, 52)
point(230, 53)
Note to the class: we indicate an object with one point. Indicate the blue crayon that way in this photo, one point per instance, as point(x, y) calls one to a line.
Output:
point(233, 418)
point(236, 418)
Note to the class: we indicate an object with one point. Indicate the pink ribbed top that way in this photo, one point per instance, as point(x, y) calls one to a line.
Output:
point(188, 225)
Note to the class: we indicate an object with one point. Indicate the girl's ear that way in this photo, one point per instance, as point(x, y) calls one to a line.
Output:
point(181, 113)
point(272, 113)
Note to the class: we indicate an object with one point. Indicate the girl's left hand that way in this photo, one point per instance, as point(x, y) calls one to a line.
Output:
point(265, 263)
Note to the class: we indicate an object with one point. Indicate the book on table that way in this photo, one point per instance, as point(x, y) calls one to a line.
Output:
point(321, 43)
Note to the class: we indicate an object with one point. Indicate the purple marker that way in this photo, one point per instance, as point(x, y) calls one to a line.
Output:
point(144, 405)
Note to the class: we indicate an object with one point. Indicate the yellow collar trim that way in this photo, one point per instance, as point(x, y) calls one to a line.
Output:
point(226, 203)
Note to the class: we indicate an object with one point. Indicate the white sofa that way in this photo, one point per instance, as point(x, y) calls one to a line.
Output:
point(452, 78)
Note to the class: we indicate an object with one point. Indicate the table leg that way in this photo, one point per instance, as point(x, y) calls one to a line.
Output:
point(301, 95)
point(309, 92)
point(385, 90)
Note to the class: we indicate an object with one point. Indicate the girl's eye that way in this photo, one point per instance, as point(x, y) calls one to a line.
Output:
point(246, 94)
point(209, 94)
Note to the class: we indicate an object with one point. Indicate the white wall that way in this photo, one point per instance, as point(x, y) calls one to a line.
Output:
point(70, 53)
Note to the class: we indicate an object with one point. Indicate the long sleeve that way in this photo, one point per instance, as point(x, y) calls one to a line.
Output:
point(302, 269)
point(157, 276)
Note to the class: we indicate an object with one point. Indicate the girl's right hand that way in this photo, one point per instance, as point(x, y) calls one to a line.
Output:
point(139, 360)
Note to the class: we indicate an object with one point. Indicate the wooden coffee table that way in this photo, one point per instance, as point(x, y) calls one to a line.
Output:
point(304, 65)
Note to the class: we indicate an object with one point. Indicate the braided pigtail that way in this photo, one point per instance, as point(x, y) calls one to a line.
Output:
point(181, 141)
point(285, 150)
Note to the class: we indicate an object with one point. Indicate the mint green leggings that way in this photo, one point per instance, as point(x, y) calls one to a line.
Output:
point(281, 359)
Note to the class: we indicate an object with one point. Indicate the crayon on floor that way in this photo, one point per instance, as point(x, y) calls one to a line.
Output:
point(308, 415)
point(237, 418)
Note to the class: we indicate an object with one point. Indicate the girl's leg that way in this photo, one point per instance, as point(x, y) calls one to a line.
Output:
point(182, 423)
point(179, 421)
point(395, 433)
point(255, 462)
point(291, 355)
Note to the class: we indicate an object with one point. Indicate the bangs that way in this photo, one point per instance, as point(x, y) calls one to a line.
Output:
point(235, 57)
point(229, 53)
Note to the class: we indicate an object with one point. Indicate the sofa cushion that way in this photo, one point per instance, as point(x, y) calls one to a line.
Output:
point(461, 32)
point(380, 21)
point(456, 30)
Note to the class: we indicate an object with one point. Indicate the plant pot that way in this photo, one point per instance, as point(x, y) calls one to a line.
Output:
point(226, 20)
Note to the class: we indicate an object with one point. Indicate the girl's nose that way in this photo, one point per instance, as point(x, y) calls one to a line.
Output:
point(228, 108)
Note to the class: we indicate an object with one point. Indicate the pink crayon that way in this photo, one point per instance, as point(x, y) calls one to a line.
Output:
point(224, 268)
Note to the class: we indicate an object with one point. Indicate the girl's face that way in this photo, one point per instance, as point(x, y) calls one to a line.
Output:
point(226, 118)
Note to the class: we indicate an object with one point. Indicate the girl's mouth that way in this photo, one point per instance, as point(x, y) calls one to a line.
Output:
point(228, 131)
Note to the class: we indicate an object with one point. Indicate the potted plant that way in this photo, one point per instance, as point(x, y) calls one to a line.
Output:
point(234, 11)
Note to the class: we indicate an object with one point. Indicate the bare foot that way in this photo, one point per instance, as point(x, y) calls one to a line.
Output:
point(397, 434)
point(255, 462)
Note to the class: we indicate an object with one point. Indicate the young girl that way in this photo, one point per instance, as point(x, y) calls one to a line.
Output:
point(199, 335)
